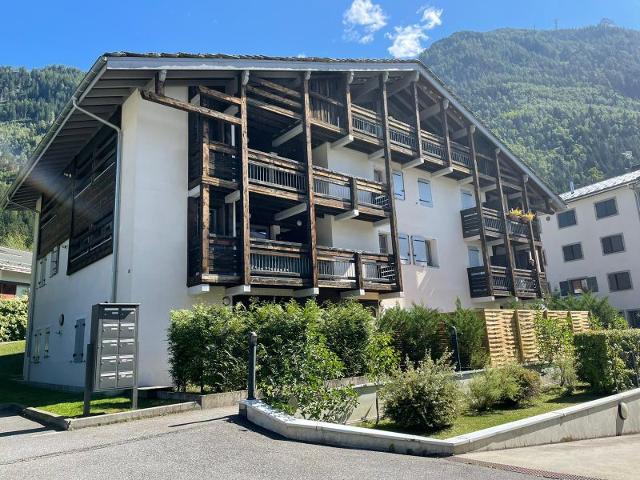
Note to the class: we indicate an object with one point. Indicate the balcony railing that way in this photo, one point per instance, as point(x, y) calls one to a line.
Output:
point(493, 224)
point(272, 258)
point(276, 172)
point(500, 281)
point(334, 186)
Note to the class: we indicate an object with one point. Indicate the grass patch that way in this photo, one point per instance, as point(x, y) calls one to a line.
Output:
point(551, 399)
point(67, 404)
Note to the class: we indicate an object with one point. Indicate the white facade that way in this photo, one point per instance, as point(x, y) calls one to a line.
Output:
point(597, 248)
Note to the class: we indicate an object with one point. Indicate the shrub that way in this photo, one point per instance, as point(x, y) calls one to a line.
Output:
point(13, 319)
point(603, 314)
point(347, 328)
point(381, 361)
point(511, 385)
point(422, 398)
point(415, 332)
point(608, 359)
point(208, 348)
point(471, 336)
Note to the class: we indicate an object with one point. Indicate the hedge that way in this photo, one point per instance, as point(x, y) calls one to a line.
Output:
point(608, 359)
point(13, 319)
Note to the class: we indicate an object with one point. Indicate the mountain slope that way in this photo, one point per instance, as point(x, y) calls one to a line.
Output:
point(29, 101)
point(566, 101)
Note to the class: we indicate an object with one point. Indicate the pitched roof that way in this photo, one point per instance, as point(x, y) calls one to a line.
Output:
point(603, 186)
point(15, 260)
point(114, 75)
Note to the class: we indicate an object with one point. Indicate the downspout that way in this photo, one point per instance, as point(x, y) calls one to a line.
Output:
point(116, 208)
point(26, 368)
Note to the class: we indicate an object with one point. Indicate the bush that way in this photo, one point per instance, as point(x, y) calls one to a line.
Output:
point(208, 348)
point(415, 332)
point(13, 319)
point(608, 359)
point(347, 328)
point(603, 314)
point(471, 336)
point(512, 385)
point(422, 398)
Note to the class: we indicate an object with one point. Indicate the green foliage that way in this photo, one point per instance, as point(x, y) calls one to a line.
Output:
point(13, 319)
point(347, 328)
point(415, 331)
point(608, 359)
point(208, 348)
point(555, 339)
point(566, 101)
point(603, 314)
point(381, 358)
point(422, 398)
point(511, 385)
point(471, 336)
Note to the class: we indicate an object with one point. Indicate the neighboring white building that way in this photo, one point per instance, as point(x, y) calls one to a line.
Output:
point(595, 244)
point(243, 176)
point(15, 272)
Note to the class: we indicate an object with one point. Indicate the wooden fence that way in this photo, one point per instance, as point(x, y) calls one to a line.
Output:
point(511, 336)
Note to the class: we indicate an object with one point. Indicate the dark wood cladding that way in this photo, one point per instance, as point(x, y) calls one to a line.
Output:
point(94, 183)
point(55, 221)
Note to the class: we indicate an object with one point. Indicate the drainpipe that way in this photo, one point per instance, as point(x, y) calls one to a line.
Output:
point(116, 208)
point(26, 367)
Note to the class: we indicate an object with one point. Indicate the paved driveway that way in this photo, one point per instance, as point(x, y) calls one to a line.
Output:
point(13, 425)
point(209, 444)
point(614, 458)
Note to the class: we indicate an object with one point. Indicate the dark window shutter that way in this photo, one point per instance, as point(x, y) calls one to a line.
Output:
point(592, 284)
point(564, 289)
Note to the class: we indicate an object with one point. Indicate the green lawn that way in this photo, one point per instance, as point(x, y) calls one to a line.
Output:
point(552, 399)
point(62, 403)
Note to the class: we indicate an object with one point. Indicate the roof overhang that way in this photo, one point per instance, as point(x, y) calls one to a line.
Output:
point(113, 77)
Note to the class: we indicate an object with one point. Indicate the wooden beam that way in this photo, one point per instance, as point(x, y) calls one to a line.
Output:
point(442, 172)
point(403, 83)
point(306, 292)
point(531, 237)
point(308, 162)
point(434, 109)
point(237, 290)
point(244, 161)
point(486, 259)
point(416, 162)
point(232, 197)
point(187, 107)
point(341, 142)
point(290, 212)
point(459, 133)
point(416, 118)
point(224, 97)
point(353, 191)
point(393, 225)
point(444, 118)
point(353, 213)
point(348, 79)
point(273, 108)
point(277, 87)
point(371, 84)
point(511, 263)
point(159, 80)
point(286, 136)
point(353, 293)
point(376, 154)
point(466, 180)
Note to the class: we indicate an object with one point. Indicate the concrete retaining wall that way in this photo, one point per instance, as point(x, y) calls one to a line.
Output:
point(598, 418)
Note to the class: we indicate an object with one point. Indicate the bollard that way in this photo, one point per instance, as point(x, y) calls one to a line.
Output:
point(251, 380)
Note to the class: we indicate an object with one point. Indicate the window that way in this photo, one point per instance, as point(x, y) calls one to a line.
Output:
point(475, 259)
point(578, 286)
point(42, 272)
point(612, 244)
point(383, 242)
point(398, 185)
point(633, 317)
point(405, 249)
point(606, 208)
point(572, 252)
point(423, 251)
point(55, 261)
point(619, 281)
point(424, 193)
point(567, 219)
point(467, 199)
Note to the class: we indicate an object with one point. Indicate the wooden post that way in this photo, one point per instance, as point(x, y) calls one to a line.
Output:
point(308, 160)
point(353, 187)
point(518, 335)
point(204, 198)
point(359, 271)
point(389, 176)
point(244, 160)
point(348, 79)
point(444, 105)
point(486, 259)
point(507, 237)
point(416, 104)
point(532, 239)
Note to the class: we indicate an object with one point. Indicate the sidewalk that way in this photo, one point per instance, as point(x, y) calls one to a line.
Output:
point(613, 458)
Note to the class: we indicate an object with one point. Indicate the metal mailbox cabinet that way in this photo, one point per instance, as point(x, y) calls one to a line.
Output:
point(114, 334)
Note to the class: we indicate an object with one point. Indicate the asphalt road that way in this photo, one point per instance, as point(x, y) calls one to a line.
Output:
point(207, 444)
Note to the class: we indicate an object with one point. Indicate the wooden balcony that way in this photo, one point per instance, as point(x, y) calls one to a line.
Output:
point(493, 225)
point(287, 264)
point(499, 282)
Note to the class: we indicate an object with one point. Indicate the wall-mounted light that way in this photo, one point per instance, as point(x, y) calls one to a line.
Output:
point(299, 223)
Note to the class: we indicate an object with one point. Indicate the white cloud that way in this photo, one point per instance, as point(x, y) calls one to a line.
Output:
point(431, 17)
point(362, 20)
point(407, 41)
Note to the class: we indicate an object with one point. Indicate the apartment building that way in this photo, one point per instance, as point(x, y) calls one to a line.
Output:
point(15, 272)
point(170, 180)
point(593, 245)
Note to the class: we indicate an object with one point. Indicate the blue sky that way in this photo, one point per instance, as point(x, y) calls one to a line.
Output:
point(74, 33)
